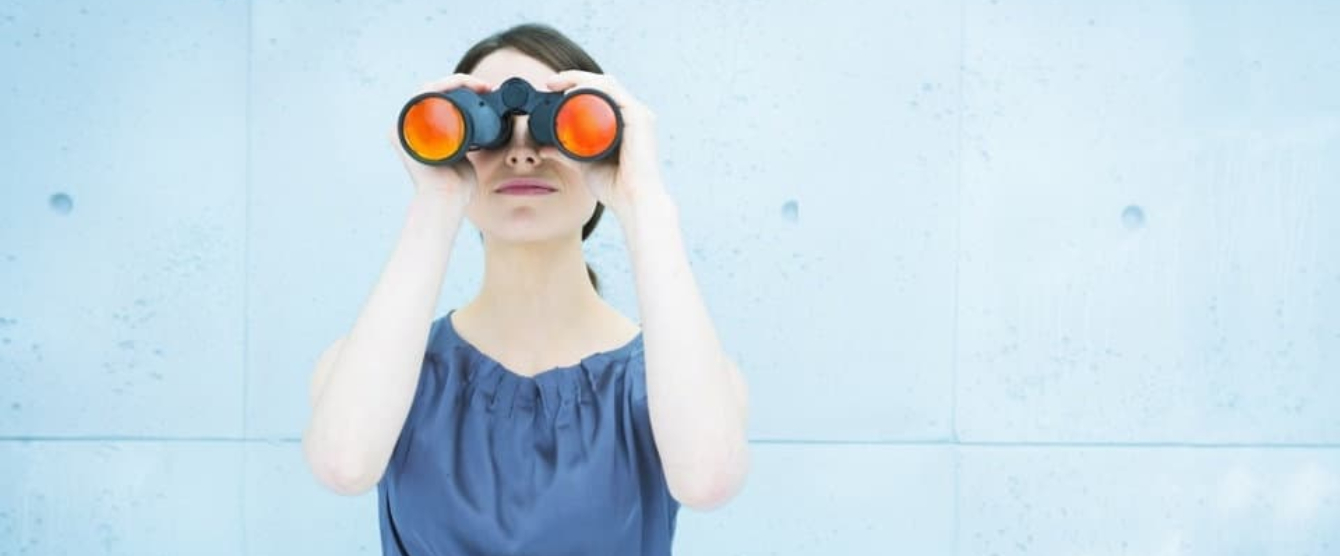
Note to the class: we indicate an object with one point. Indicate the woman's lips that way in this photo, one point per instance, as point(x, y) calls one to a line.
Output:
point(525, 190)
point(525, 186)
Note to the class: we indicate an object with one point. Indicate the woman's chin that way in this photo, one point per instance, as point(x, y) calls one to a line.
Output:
point(526, 233)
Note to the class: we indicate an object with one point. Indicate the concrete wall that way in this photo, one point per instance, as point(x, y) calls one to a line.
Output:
point(1005, 276)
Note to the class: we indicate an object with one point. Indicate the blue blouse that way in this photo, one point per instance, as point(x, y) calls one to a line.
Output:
point(491, 462)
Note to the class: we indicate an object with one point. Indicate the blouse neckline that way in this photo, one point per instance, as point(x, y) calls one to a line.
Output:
point(630, 347)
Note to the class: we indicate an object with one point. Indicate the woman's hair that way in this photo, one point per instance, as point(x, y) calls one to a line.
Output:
point(553, 49)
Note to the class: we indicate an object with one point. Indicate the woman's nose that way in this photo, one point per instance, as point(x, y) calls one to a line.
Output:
point(521, 149)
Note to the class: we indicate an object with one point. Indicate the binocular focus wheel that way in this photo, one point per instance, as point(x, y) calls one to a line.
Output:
point(433, 129)
point(587, 125)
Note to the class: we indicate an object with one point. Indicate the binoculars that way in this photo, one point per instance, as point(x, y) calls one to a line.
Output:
point(438, 128)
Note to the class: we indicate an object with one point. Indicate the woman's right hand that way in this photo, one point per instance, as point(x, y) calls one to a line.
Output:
point(456, 182)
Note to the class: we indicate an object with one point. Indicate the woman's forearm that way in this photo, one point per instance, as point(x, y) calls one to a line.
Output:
point(696, 396)
point(358, 414)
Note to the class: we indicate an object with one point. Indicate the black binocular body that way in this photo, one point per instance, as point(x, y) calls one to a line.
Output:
point(438, 128)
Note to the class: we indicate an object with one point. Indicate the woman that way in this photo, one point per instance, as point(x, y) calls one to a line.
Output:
point(536, 419)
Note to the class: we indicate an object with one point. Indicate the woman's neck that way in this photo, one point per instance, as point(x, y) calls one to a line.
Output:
point(536, 291)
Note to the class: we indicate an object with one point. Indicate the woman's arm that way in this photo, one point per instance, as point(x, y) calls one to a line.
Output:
point(364, 384)
point(696, 396)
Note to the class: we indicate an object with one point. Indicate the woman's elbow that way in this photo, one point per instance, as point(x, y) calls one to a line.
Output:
point(339, 474)
point(711, 490)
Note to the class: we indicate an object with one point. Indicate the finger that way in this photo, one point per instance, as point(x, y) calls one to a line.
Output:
point(580, 79)
point(456, 81)
point(569, 78)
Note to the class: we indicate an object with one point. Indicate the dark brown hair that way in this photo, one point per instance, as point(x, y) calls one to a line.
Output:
point(553, 49)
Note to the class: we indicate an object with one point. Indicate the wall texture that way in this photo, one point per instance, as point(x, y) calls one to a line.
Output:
point(1006, 276)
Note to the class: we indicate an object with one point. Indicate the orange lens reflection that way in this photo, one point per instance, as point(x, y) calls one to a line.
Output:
point(586, 125)
point(434, 128)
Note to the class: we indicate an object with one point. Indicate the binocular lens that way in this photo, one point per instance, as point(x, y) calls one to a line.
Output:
point(434, 128)
point(586, 125)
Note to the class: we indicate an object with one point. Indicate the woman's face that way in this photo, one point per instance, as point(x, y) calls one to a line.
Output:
point(520, 218)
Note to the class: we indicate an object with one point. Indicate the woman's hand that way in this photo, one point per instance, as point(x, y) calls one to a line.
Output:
point(456, 183)
point(637, 172)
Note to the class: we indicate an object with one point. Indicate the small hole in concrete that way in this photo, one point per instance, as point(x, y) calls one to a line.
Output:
point(791, 211)
point(61, 203)
point(1133, 217)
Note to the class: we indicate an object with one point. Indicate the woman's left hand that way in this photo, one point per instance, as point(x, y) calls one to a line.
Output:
point(637, 172)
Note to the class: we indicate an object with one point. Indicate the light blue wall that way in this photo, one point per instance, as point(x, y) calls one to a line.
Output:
point(1005, 276)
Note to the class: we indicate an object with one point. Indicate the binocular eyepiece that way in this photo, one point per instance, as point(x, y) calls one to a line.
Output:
point(438, 128)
